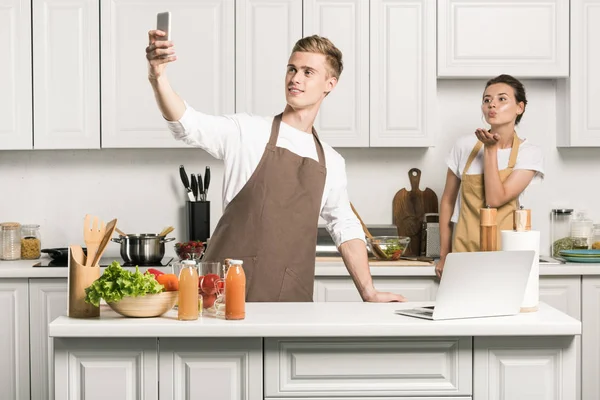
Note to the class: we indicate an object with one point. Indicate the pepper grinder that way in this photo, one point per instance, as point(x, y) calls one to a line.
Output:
point(522, 220)
point(488, 230)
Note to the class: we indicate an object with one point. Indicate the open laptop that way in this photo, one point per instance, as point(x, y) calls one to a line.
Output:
point(479, 284)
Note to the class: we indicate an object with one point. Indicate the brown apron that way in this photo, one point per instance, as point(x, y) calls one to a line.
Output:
point(466, 232)
point(271, 224)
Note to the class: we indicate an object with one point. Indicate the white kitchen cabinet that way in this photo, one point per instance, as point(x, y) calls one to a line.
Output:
point(524, 38)
point(590, 338)
point(66, 74)
point(224, 369)
point(578, 97)
point(203, 74)
point(524, 368)
point(14, 346)
point(47, 301)
point(266, 32)
point(119, 368)
point(332, 367)
point(343, 288)
point(562, 293)
point(403, 88)
point(343, 120)
point(16, 118)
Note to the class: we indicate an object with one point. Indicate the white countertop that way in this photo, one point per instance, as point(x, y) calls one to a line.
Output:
point(318, 320)
point(25, 269)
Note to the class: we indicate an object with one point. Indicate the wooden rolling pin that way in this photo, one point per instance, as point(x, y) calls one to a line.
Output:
point(488, 231)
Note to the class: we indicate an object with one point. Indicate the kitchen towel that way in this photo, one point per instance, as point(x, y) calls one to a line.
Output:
point(527, 240)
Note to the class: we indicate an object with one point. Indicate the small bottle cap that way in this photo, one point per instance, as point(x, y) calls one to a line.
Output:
point(188, 262)
point(236, 262)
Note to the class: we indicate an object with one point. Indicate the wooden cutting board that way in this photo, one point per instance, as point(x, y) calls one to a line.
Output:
point(409, 207)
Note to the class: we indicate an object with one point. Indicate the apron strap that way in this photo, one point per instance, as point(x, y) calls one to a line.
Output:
point(472, 156)
point(514, 151)
point(275, 134)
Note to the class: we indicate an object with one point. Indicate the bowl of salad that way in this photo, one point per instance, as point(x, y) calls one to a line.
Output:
point(388, 248)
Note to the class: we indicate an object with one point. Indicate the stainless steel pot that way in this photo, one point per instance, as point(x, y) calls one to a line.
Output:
point(146, 248)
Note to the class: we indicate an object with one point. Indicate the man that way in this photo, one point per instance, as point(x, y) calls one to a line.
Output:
point(279, 177)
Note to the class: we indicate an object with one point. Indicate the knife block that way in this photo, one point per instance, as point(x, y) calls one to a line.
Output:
point(198, 220)
point(81, 277)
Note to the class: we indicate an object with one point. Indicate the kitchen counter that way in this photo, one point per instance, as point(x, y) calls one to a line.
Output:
point(332, 267)
point(318, 320)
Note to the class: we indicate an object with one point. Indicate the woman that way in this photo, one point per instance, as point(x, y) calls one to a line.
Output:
point(491, 168)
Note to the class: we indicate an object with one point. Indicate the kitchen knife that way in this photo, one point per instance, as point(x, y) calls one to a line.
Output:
point(206, 181)
point(200, 187)
point(195, 187)
point(186, 182)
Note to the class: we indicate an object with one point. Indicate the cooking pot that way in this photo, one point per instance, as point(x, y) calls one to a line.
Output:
point(142, 249)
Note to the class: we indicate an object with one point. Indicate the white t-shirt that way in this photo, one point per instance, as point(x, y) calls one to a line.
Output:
point(240, 140)
point(529, 157)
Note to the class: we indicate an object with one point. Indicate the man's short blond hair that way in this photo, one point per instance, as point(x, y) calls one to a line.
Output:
point(322, 45)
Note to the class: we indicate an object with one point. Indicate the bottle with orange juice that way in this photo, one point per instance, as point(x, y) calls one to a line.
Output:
point(187, 309)
point(235, 291)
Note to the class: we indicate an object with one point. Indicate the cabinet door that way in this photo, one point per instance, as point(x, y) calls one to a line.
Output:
point(562, 293)
point(524, 38)
point(225, 369)
point(66, 74)
point(343, 120)
point(15, 76)
point(100, 369)
point(403, 78)
point(203, 74)
point(579, 100)
point(266, 32)
point(590, 344)
point(14, 346)
point(343, 289)
point(47, 301)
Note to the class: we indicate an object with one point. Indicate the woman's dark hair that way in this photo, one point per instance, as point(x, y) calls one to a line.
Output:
point(517, 86)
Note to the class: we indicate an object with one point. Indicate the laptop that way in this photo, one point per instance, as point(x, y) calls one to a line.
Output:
point(479, 284)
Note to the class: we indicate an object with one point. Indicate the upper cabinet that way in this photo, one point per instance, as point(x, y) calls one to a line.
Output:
point(579, 96)
point(15, 76)
point(524, 38)
point(66, 74)
point(403, 80)
point(266, 32)
point(343, 120)
point(203, 74)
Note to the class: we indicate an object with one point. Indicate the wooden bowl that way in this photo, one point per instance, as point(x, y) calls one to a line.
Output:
point(150, 305)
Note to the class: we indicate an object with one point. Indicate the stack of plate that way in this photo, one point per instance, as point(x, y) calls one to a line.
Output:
point(581, 256)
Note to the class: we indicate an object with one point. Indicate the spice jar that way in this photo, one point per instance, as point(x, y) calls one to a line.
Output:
point(10, 240)
point(581, 231)
point(31, 242)
point(596, 237)
point(560, 227)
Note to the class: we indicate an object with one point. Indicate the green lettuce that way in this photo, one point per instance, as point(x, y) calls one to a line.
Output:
point(116, 283)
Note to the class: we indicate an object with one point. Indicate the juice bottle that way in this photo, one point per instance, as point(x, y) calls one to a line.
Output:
point(235, 291)
point(188, 291)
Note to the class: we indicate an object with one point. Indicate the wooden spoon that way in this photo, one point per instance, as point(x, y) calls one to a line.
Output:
point(120, 232)
point(93, 232)
point(376, 247)
point(166, 231)
point(110, 228)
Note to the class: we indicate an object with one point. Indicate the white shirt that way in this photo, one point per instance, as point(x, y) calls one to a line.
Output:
point(530, 157)
point(240, 140)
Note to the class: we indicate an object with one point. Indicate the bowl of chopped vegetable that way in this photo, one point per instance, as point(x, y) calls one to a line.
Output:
point(388, 248)
point(132, 294)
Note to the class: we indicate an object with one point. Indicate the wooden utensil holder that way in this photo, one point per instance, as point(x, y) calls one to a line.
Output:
point(80, 277)
point(488, 233)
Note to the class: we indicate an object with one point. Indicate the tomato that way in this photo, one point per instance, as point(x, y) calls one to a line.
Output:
point(208, 284)
point(169, 281)
point(208, 300)
point(397, 254)
point(155, 272)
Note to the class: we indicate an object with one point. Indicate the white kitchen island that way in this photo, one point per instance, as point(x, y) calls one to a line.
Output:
point(360, 351)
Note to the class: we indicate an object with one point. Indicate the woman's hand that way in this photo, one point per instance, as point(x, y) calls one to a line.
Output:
point(439, 267)
point(159, 53)
point(487, 138)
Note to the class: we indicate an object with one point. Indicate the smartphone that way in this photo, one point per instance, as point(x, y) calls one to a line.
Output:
point(163, 23)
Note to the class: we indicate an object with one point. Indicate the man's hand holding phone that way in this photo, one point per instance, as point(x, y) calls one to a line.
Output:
point(160, 50)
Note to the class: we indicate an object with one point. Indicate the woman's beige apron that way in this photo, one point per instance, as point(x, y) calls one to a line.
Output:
point(466, 232)
point(271, 224)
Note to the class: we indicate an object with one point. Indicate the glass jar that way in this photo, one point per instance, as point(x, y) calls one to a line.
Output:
point(31, 242)
point(560, 228)
point(10, 240)
point(596, 237)
point(581, 231)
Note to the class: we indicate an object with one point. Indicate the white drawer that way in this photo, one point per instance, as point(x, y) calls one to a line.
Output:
point(367, 366)
point(373, 398)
